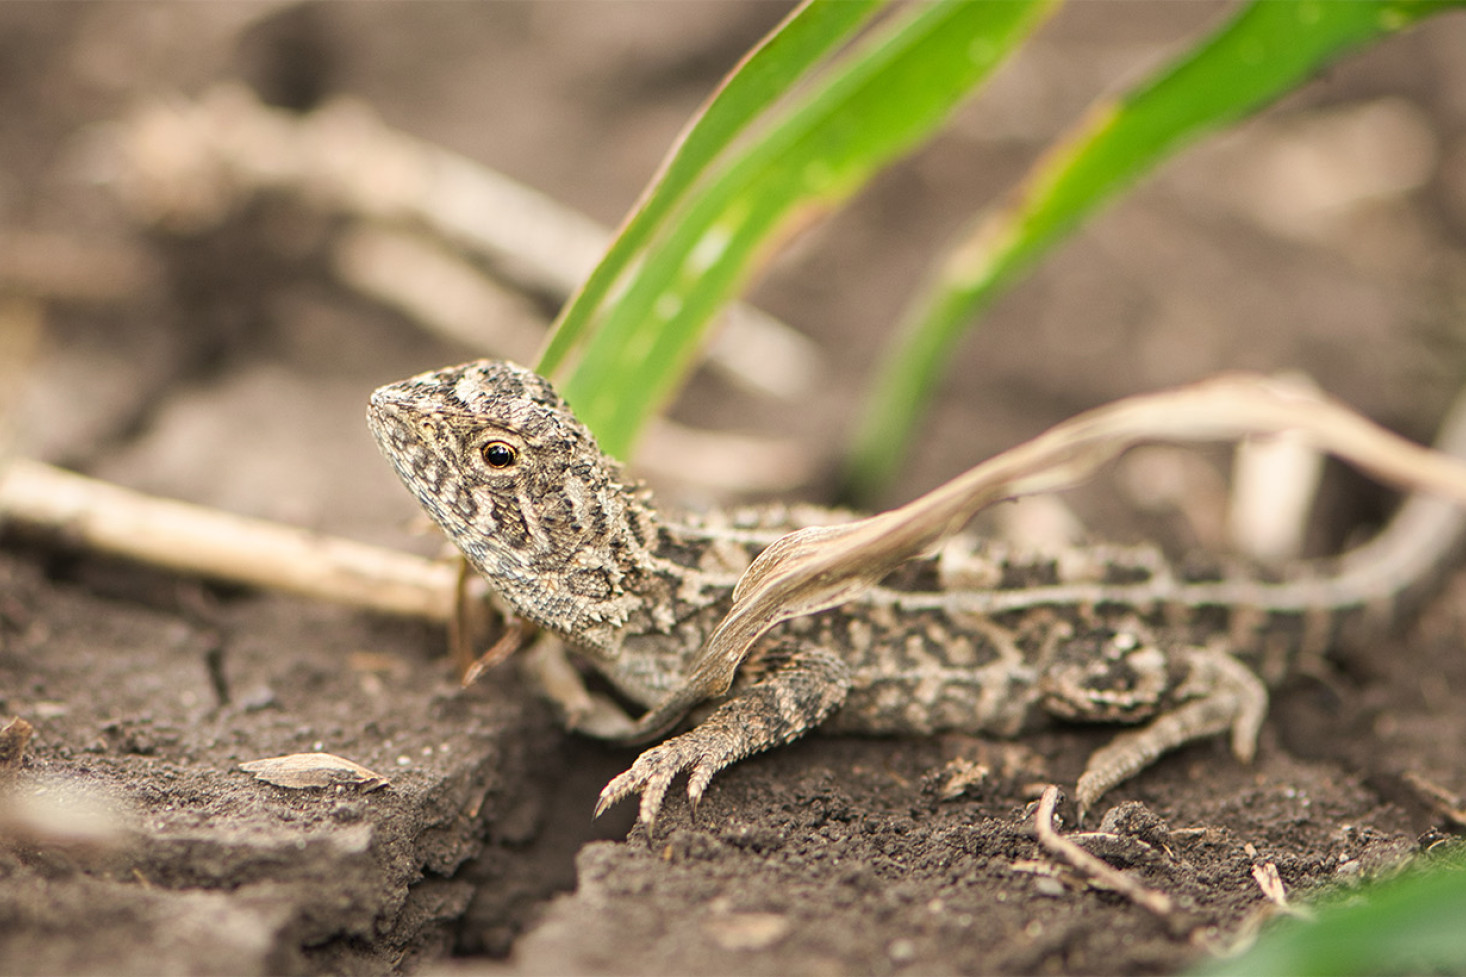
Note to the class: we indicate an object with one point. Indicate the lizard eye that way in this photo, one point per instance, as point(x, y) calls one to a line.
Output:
point(499, 454)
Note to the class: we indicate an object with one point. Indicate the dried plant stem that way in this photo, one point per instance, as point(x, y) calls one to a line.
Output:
point(1442, 801)
point(194, 539)
point(1097, 869)
point(1266, 876)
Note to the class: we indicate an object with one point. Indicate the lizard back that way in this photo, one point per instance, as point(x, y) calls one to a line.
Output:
point(979, 638)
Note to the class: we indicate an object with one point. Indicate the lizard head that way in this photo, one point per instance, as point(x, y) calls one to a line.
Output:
point(519, 484)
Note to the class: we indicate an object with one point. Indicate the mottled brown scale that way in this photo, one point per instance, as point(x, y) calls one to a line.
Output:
point(979, 640)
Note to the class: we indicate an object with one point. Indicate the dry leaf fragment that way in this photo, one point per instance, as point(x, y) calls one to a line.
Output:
point(962, 774)
point(1271, 884)
point(300, 771)
point(14, 738)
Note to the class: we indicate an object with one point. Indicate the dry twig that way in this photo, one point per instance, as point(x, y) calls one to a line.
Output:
point(1101, 872)
point(428, 221)
point(188, 164)
point(1445, 803)
point(1274, 482)
point(1267, 879)
point(193, 539)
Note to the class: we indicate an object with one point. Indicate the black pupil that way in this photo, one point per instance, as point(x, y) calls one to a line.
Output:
point(498, 454)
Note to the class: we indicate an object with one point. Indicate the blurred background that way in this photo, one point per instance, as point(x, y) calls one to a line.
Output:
point(207, 309)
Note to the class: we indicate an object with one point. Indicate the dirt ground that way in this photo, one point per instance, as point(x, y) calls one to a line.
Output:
point(225, 362)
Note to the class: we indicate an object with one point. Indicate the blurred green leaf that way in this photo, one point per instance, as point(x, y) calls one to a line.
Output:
point(1415, 924)
point(764, 76)
point(880, 101)
point(1267, 50)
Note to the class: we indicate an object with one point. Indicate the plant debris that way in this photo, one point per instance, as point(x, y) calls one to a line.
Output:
point(302, 771)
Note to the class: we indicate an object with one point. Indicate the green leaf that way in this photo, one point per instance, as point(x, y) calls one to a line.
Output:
point(888, 96)
point(1267, 50)
point(1410, 925)
point(762, 77)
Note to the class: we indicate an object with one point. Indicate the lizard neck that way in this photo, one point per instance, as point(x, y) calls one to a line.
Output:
point(594, 568)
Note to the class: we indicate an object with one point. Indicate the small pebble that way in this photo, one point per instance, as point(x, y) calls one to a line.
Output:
point(1048, 886)
point(258, 698)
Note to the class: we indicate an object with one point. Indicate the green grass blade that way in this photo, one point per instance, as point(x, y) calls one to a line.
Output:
point(1409, 925)
point(764, 75)
point(889, 95)
point(1268, 49)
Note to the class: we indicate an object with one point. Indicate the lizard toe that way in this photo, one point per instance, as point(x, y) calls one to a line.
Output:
point(652, 793)
point(619, 787)
point(651, 776)
point(698, 780)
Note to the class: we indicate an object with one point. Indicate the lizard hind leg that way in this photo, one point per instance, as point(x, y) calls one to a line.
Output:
point(799, 695)
point(1219, 694)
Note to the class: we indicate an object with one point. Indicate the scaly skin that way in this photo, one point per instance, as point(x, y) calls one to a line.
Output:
point(976, 640)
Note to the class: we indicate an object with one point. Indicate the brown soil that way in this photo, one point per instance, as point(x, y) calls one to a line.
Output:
point(232, 372)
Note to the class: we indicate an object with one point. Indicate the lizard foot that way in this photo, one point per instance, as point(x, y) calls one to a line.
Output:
point(808, 686)
point(653, 772)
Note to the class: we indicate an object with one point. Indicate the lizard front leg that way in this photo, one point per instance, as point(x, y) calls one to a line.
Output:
point(548, 667)
point(799, 694)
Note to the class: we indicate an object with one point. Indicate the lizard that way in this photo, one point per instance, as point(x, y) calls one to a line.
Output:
point(981, 638)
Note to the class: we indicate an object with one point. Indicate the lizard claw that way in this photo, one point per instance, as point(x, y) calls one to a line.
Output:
point(652, 775)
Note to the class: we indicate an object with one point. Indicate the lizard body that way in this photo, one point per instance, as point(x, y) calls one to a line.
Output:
point(977, 639)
